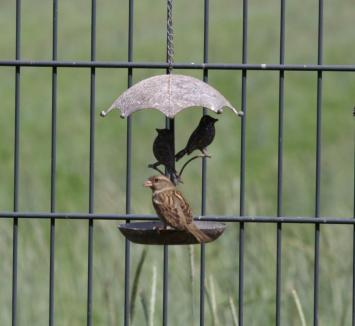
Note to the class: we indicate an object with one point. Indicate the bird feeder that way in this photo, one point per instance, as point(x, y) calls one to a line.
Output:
point(170, 94)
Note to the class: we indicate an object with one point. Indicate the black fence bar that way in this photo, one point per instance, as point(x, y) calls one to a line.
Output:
point(318, 164)
point(89, 305)
point(169, 124)
point(53, 162)
point(353, 294)
point(242, 165)
point(204, 169)
point(164, 65)
point(127, 261)
point(16, 163)
point(280, 166)
point(165, 284)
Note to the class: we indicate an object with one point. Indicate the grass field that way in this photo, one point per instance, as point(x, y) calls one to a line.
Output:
point(337, 174)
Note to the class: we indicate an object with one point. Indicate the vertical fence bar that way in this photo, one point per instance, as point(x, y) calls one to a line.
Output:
point(242, 164)
point(165, 284)
point(127, 262)
point(53, 162)
point(318, 163)
point(353, 294)
point(280, 167)
point(170, 124)
point(91, 162)
point(16, 164)
point(204, 169)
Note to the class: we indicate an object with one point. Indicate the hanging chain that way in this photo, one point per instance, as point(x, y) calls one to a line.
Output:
point(170, 36)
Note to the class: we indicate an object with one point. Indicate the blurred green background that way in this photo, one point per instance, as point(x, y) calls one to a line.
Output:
point(225, 45)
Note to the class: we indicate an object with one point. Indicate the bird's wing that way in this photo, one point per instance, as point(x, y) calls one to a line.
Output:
point(172, 208)
point(197, 139)
point(193, 140)
point(183, 207)
point(164, 150)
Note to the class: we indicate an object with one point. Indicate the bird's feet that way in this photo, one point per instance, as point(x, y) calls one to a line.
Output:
point(205, 153)
point(160, 228)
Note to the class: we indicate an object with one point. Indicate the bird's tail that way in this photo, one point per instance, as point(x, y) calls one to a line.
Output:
point(180, 154)
point(197, 233)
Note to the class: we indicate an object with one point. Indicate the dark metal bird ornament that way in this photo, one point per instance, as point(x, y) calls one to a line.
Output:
point(201, 137)
point(163, 150)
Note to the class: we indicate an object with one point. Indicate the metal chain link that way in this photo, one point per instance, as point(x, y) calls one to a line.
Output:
point(170, 36)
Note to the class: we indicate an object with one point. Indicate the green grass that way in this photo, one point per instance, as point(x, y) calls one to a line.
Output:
point(223, 169)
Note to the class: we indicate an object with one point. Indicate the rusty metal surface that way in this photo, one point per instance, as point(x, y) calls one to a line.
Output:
point(169, 94)
point(147, 233)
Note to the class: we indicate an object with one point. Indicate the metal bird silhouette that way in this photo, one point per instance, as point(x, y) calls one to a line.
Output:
point(200, 138)
point(163, 150)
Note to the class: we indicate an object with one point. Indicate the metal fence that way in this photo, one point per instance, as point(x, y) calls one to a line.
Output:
point(242, 220)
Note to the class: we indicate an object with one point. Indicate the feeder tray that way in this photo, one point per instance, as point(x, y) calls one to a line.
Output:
point(148, 233)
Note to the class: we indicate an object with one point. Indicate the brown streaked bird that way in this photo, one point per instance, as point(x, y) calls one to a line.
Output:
point(163, 150)
point(200, 138)
point(172, 208)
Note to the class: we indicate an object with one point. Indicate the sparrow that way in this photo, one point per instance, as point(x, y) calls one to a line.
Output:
point(172, 208)
point(163, 150)
point(201, 137)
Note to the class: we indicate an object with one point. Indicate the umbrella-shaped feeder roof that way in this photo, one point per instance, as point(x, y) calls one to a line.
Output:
point(170, 94)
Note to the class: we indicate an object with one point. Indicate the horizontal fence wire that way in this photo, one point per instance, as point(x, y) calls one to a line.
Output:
point(164, 65)
point(149, 217)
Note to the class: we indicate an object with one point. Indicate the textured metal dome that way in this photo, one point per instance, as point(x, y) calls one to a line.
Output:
point(169, 94)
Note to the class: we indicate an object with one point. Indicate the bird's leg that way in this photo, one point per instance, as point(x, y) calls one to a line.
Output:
point(187, 162)
point(160, 227)
point(205, 153)
point(174, 176)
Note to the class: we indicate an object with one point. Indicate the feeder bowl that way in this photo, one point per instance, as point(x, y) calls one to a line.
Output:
point(153, 234)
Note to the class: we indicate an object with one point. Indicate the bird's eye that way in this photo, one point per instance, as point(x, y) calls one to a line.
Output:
point(156, 180)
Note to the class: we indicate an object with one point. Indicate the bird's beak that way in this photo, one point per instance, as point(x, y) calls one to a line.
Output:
point(215, 120)
point(147, 183)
